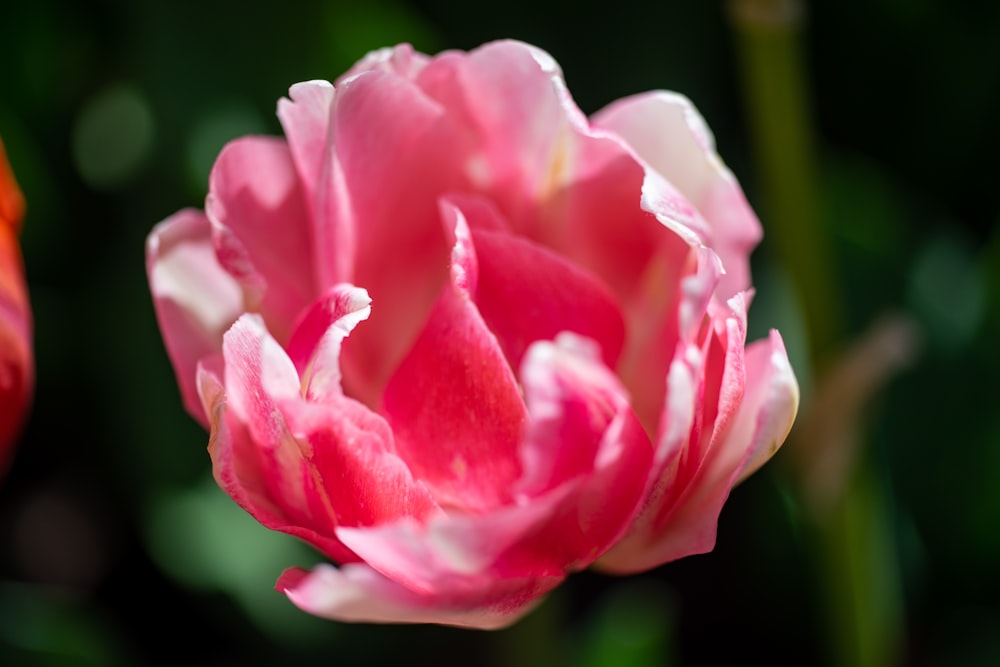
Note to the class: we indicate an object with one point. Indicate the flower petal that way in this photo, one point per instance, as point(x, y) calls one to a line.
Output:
point(305, 118)
point(516, 115)
point(17, 369)
point(669, 134)
point(270, 467)
point(244, 469)
point(394, 166)
point(585, 457)
point(526, 292)
point(316, 340)
point(770, 404)
point(735, 430)
point(261, 228)
point(356, 593)
point(454, 403)
point(400, 60)
point(584, 444)
point(351, 450)
point(195, 299)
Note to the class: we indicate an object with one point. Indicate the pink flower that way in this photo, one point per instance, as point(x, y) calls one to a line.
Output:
point(464, 340)
point(17, 370)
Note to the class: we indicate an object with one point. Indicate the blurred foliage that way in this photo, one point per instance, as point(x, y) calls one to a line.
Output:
point(115, 549)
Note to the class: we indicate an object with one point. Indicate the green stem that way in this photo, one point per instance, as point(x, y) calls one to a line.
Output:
point(769, 47)
point(855, 551)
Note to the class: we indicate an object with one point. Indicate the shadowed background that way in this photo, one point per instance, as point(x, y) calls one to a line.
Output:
point(117, 549)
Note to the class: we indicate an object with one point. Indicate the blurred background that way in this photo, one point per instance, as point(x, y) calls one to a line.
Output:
point(117, 549)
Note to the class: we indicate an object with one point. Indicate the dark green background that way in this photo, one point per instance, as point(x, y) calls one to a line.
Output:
point(116, 550)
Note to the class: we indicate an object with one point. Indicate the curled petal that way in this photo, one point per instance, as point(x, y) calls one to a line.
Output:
point(690, 491)
point(195, 299)
point(669, 135)
point(244, 469)
point(258, 459)
point(315, 344)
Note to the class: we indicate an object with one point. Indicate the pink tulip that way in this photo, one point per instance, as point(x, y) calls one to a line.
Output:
point(17, 371)
point(464, 340)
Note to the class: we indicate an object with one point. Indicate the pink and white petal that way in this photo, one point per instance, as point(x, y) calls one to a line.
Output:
point(679, 414)
point(316, 339)
point(351, 451)
point(306, 119)
point(392, 165)
point(400, 60)
point(770, 404)
point(586, 459)
point(684, 517)
point(456, 552)
point(669, 134)
point(240, 471)
point(571, 399)
point(584, 447)
point(517, 116)
point(356, 593)
point(195, 299)
point(667, 313)
point(261, 228)
point(595, 217)
point(262, 394)
point(454, 403)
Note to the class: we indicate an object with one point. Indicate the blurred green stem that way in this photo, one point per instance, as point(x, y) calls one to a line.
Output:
point(777, 102)
point(852, 530)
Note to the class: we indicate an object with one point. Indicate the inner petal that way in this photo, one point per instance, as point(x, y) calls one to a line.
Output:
point(454, 404)
point(527, 293)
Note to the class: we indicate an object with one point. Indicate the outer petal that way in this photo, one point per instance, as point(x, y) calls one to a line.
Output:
point(770, 405)
point(687, 500)
point(712, 372)
point(257, 458)
point(454, 403)
point(670, 136)
point(359, 594)
point(242, 472)
point(400, 60)
point(195, 299)
point(16, 354)
point(261, 228)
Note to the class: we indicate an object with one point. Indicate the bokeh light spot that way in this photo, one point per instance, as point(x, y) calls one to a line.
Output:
point(113, 137)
